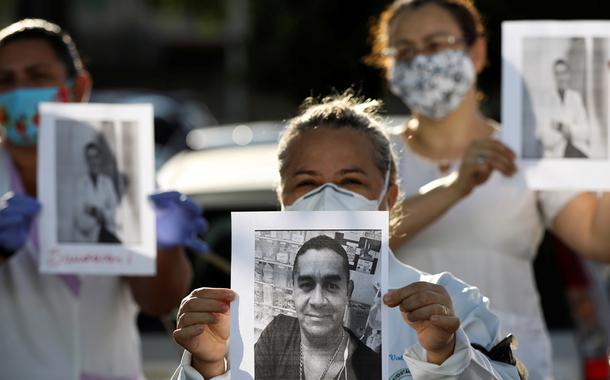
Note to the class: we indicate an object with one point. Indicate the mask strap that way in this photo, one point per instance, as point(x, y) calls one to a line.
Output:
point(386, 183)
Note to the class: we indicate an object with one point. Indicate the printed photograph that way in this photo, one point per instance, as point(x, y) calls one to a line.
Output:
point(565, 98)
point(317, 304)
point(95, 172)
point(97, 183)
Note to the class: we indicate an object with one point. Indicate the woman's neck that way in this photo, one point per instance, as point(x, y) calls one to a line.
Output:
point(25, 160)
point(448, 138)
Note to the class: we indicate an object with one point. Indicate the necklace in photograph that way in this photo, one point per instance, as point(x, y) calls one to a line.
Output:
point(330, 362)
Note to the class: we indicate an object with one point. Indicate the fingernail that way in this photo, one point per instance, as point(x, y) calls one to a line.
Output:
point(199, 329)
point(435, 318)
point(387, 297)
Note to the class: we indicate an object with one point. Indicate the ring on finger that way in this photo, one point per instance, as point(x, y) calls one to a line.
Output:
point(480, 159)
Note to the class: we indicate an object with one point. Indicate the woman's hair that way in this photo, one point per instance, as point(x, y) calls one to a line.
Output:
point(349, 112)
point(38, 29)
point(337, 112)
point(463, 11)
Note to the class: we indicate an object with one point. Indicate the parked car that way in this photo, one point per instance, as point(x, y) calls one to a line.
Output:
point(234, 173)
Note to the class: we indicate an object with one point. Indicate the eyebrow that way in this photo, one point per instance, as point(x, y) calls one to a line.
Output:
point(327, 278)
point(426, 38)
point(39, 65)
point(349, 170)
point(352, 170)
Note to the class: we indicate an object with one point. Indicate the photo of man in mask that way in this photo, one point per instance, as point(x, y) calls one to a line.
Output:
point(316, 344)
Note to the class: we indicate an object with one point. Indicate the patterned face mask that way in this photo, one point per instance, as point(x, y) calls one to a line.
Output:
point(19, 112)
point(433, 85)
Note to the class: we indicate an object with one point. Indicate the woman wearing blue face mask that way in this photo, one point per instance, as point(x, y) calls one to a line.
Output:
point(335, 156)
point(466, 214)
point(68, 326)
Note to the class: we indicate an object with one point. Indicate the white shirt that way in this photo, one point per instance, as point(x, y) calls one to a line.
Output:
point(489, 239)
point(570, 112)
point(49, 332)
point(100, 195)
point(407, 357)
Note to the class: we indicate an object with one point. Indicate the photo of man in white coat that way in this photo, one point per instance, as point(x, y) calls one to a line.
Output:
point(96, 202)
point(567, 132)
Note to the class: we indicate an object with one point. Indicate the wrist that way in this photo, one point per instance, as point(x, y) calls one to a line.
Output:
point(457, 190)
point(439, 356)
point(209, 369)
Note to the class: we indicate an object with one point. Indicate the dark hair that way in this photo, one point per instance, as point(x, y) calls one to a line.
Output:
point(92, 145)
point(60, 41)
point(561, 61)
point(322, 242)
point(336, 112)
point(464, 12)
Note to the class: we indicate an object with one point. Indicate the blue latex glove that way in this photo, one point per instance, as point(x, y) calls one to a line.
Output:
point(17, 212)
point(179, 219)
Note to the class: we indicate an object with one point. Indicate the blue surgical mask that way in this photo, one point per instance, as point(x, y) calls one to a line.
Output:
point(330, 197)
point(19, 113)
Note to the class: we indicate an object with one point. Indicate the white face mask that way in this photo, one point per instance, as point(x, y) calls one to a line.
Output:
point(330, 197)
point(433, 85)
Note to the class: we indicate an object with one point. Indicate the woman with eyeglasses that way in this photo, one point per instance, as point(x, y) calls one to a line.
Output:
point(467, 214)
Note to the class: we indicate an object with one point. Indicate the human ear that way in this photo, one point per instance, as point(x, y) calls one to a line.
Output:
point(392, 196)
point(478, 54)
point(81, 89)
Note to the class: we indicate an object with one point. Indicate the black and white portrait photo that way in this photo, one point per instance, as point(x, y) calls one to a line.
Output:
point(94, 197)
point(555, 102)
point(99, 188)
point(316, 305)
point(565, 97)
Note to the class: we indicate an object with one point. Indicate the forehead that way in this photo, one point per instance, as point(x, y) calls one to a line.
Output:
point(421, 23)
point(28, 52)
point(320, 263)
point(327, 150)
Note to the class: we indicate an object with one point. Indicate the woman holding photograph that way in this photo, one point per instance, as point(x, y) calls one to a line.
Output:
point(335, 156)
point(72, 326)
point(462, 204)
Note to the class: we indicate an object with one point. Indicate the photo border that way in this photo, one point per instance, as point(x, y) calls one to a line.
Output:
point(92, 258)
point(243, 227)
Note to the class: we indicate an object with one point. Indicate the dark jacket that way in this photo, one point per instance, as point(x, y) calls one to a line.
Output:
point(277, 351)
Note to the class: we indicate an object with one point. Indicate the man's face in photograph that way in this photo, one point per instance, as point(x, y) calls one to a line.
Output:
point(321, 291)
point(94, 160)
point(562, 75)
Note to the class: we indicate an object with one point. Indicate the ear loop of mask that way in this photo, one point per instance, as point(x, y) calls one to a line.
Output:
point(386, 184)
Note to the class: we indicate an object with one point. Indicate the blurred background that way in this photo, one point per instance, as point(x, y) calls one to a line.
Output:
point(253, 59)
point(223, 74)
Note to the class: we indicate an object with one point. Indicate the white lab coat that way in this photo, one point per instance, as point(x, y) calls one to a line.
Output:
point(49, 332)
point(101, 196)
point(572, 114)
point(407, 358)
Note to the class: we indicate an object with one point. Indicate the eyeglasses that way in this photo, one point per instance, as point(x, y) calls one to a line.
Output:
point(406, 52)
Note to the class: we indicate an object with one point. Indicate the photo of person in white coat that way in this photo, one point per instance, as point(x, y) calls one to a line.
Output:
point(567, 134)
point(96, 202)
